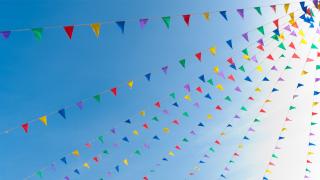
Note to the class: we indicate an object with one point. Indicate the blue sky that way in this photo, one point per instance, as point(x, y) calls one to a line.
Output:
point(38, 77)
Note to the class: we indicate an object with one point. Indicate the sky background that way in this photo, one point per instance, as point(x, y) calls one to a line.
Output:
point(39, 77)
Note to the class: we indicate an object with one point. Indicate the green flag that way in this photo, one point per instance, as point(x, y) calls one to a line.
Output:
point(186, 114)
point(210, 81)
point(261, 30)
point(37, 32)
point(288, 67)
point(281, 46)
point(258, 9)
point(101, 139)
point(317, 67)
point(313, 46)
point(97, 97)
point(275, 37)
point(173, 95)
point(242, 68)
point(155, 118)
point(183, 63)
point(166, 21)
point(243, 108)
point(245, 51)
point(228, 98)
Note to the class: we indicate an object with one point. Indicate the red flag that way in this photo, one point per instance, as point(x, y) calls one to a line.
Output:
point(25, 127)
point(292, 45)
point(314, 113)
point(260, 46)
point(276, 23)
point(69, 30)
point(231, 77)
point(145, 126)
point(199, 89)
point(251, 98)
point(270, 57)
point(217, 142)
point(95, 159)
point(176, 122)
point(318, 54)
point(198, 56)
point(157, 104)
point(178, 147)
point(114, 91)
point(262, 111)
point(145, 178)
point(218, 108)
point(295, 56)
point(230, 60)
point(186, 18)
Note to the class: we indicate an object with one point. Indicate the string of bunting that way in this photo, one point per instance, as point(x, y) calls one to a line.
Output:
point(69, 29)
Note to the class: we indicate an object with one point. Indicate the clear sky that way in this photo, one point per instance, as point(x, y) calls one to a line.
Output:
point(39, 77)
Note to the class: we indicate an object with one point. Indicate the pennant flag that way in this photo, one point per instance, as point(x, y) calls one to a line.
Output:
point(276, 23)
point(208, 96)
point(229, 42)
point(121, 25)
point(37, 32)
point(117, 168)
point(183, 63)
point(76, 171)
point(245, 36)
point(114, 91)
point(199, 56)
point(130, 84)
point(224, 15)
point(258, 9)
point(5, 34)
point(286, 7)
point(206, 16)
point(126, 162)
point(62, 112)
point(261, 30)
point(97, 97)
point(213, 50)
point(186, 19)
point(69, 31)
point(166, 21)
point(241, 12)
point(64, 160)
point(143, 22)
point(25, 127)
point(96, 29)
point(76, 153)
point(202, 78)
point(80, 105)
point(43, 119)
point(274, 8)
point(148, 76)
point(165, 69)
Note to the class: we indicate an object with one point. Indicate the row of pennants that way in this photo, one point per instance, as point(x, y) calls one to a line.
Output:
point(198, 56)
point(69, 29)
point(158, 105)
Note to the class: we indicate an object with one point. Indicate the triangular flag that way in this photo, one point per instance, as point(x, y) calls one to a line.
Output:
point(241, 12)
point(166, 21)
point(43, 119)
point(96, 29)
point(62, 112)
point(114, 91)
point(5, 34)
point(37, 32)
point(186, 18)
point(206, 15)
point(69, 31)
point(148, 76)
point(183, 63)
point(130, 84)
point(143, 22)
point(229, 42)
point(121, 25)
point(25, 127)
point(224, 15)
point(97, 97)
point(286, 7)
point(261, 30)
point(258, 9)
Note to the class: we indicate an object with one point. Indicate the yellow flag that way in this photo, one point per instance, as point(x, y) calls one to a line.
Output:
point(267, 101)
point(281, 36)
point(268, 171)
point(213, 50)
point(76, 153)
point(166, 130)
point(291, 15)
point(206, 15)
point(43, 119)
point(130, 84)
point(315, 103)
point(135, 132)
point(303, 41)
point(142, 113)
point(246, 57)
point(240, 146)
point(304, 73)
point(258, 90)
point(301, 33)
point(286, 7)
point(310, 153)
point(187, 97)
point(86, 165)
point(171, 153)
point(283, 129)
point(216, 69)
point(259, 68)
point(220, 87)
point(126, 162)
point(96, 28)
point(209, 116)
